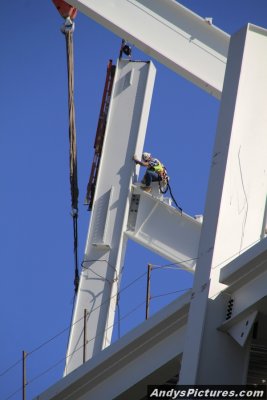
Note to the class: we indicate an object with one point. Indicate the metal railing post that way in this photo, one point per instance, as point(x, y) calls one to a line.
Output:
point(24, 379)
point(149, 268)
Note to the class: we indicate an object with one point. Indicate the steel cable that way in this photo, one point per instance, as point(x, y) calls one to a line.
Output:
point(68, 32)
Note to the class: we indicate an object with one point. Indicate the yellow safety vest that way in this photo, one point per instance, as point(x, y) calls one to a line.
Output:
point(155, 165)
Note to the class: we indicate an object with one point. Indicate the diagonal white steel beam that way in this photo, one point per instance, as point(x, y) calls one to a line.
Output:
point(169, 32)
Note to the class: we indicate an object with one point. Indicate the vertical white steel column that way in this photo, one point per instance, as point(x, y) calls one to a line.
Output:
point(104, 254)
point(235, 209)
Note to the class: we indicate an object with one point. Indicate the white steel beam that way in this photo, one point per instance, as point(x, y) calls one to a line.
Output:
point(247, 280)
point(163, 229)
point(246, 267)
point(235, 209)
point(149, 354)
point(164, 29)
point(104, 253)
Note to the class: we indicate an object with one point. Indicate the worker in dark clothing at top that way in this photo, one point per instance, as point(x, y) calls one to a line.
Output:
point(155, 170)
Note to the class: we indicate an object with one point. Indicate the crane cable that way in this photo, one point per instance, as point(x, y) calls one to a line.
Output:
point(67, 29)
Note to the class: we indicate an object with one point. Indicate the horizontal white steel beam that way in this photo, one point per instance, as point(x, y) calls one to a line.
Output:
point(162, 229)
point(245, 267)
point(154, 346)
point(164, 29)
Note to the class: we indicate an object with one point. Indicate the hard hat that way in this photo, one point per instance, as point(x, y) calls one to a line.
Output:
point(146, 156)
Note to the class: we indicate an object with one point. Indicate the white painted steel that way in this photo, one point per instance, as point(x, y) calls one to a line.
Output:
point(104, 253)
point(235, 215)
point(149, 353)
point(169, 32)
point(250, 296)
point(164, 230)
point(241, 330)
point(246, 267)
point(247, 280)
point(235, 206)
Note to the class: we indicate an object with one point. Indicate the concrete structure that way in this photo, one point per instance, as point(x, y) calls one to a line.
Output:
point(226, 309)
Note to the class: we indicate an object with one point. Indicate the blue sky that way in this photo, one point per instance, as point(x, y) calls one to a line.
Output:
point(37, 267)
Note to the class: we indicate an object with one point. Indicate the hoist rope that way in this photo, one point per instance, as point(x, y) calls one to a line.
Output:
point(72, 129)
point(68, 32)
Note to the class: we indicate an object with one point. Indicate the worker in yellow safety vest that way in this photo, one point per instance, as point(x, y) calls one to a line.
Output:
point(155, 170)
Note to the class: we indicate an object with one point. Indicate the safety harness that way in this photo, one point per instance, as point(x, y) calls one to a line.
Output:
point(156, 166)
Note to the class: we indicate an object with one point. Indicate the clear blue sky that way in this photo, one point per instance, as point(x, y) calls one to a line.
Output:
point(37, 268)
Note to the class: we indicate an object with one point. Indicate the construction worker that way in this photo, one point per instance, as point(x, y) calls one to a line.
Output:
point(155, 170)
